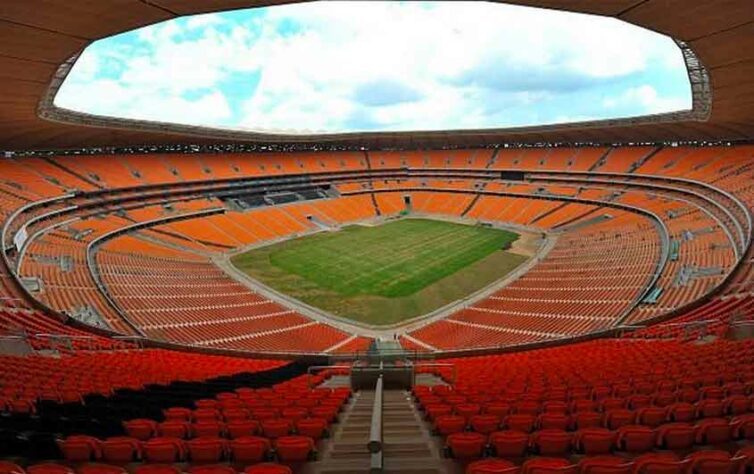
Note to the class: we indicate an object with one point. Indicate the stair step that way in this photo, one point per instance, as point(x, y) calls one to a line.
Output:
point(408, 447)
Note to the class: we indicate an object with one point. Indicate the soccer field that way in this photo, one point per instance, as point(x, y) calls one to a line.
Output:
point(387, 273)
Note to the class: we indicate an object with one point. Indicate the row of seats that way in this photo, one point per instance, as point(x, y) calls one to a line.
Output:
point(628, 438)
point(95, 468)
point(200, 450)
point(25, 381)
point(700, 462)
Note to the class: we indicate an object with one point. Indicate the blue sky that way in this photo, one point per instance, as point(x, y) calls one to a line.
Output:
point(353, 66)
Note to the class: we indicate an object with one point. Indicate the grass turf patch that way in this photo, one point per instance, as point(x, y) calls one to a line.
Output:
point(387, 273)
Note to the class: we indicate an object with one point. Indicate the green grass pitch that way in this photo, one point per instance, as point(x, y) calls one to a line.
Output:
point(387, 273)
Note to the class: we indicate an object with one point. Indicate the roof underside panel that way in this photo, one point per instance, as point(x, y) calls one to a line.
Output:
point(37, 36)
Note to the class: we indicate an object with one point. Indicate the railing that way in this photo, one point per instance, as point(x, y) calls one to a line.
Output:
point(313, 369)
point(422, 365)
point(375, 432)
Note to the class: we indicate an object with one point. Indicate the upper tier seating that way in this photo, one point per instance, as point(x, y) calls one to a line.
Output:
point(635, 243)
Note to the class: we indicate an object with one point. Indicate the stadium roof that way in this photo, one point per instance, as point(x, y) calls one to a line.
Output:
point(40, 39)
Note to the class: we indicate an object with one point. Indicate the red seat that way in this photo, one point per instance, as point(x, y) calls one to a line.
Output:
point(276, 427)
point(485, 424)
point(712, 431)
point(314, 428)
point(746, 457)
point(121, 449)
point(650, 416)
point(528, 407)
point(664, 399)
point(500, 409)
point(551, 442)
point(327, 412)
point(605, 465)
point(294, 413)
point(164, 450)
point(100, 469)
point(141, 429)
point(658, 463)
point(587, 419)
point(712, 462)
point(208, 428)
point(294, 448)
point(268, 468)
point(238, 428)
point(80, 448)
point(635, 402)
point(688, 395)
point(206, 414)
point(594, 440)
point(156, 469)
point(557, 421)
point(174, 429)
point(709, 408)
point(49, 468)
point(636, 438)
point(675, 436)
point(681, 412)
point(742, 427)
point(236, 414)
point(578, 406)
point(207, 449)
point(467, 410)
point(212, 469)
point(491, 466)
point(177, 414)
point(206, 403)
point(509, 444)
point(610, 404)
point(10, 468)
point(249, 449)
point(614, 419)
point(712, 392)
point(449, 424)
point(519, 422)
point(467, 445)
point(262, 414)
point(736, 405)
point(555, 407)
point(548, 466)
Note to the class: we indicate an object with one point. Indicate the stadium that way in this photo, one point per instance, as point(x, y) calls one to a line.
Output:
point(556, 298)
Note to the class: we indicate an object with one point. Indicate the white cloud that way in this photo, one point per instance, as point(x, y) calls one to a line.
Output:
point(648, 99)
point(426, 66)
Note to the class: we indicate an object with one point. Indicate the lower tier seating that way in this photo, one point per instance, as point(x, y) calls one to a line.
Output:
point(258, 418)
point(673, 406)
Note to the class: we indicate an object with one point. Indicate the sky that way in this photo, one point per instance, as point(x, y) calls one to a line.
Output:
point(380, 66)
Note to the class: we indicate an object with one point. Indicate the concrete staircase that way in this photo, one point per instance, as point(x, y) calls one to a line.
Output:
point(408, 447)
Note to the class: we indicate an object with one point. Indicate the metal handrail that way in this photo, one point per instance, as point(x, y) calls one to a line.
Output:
point(374, 446)
point(317, 368)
